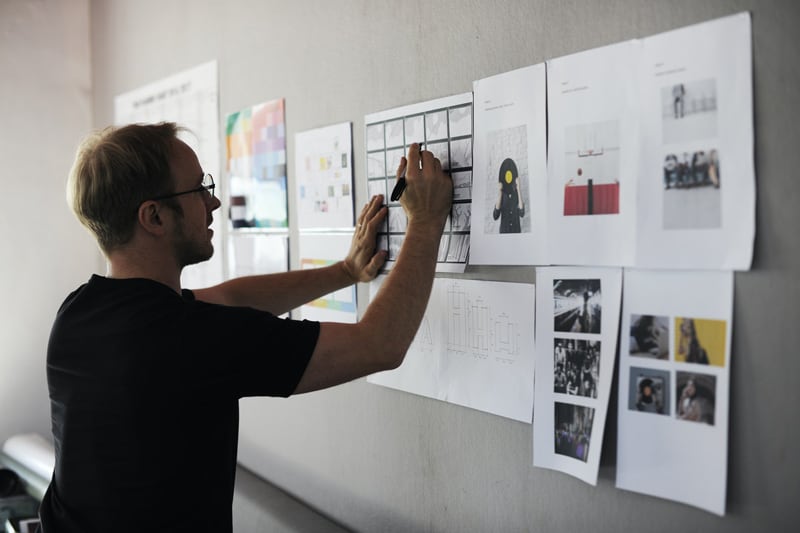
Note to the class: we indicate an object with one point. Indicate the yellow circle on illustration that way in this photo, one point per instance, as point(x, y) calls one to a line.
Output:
point(509, 176)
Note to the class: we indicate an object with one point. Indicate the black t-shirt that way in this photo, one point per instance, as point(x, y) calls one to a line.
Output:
point(144, 388)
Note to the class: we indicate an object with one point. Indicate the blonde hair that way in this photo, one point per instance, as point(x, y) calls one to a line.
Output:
point(115, 170)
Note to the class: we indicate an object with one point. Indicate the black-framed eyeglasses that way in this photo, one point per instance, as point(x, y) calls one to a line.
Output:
point(207, 187)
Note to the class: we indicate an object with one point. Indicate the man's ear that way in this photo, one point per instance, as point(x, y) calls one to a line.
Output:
point(149, 217)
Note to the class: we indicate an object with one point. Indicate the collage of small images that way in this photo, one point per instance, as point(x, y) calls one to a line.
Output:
point(447, 133)
point(691, 161)
point(682, 388)
point(577, 310)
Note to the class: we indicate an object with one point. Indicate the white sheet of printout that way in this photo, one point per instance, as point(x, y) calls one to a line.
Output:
point(593, 145)
point(324, 177)
point(674, 376)
point(576, 345)
point(474, 348)
point(509, 164)
point(190, 99)
point(697, 177)
point(319, 250)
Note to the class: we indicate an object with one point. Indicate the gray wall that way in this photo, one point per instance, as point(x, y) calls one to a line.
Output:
point(44, 110)
point(377, 459)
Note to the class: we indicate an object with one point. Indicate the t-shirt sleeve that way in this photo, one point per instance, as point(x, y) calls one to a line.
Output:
point(245, 352)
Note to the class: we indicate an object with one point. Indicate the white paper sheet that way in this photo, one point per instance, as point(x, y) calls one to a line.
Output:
point(319, 250)
point(592, 166)
point(509, 161)
point(576, 345)
point(444, 127)
point(474, 348)
point(257, 253)
point(191, 99)
point(697, 184)
point(674, 377)
point(324, 177)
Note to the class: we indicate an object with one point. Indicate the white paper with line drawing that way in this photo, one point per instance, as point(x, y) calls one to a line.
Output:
point(577, 313)
point(509, 183)
point(319, 250)
point(474, 348)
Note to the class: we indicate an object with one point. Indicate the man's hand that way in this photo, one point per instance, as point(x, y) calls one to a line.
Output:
point(429, 191)
point(363, 262)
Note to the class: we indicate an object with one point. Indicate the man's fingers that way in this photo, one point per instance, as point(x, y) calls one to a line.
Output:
point(401, 168)
point(413, 156)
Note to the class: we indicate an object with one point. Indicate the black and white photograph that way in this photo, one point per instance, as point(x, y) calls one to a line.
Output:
point(573, 430)
point(436, 125)
point(461, 153)
point(576, 367)
point(462, 185)
point(415, 130)
point(692, 180)
point(695, 397)
point(375, 137)
point(649, 336)
point(460, 121)
point(689, 110)
point(648, 390)
point(577, 305)
point(394, 134)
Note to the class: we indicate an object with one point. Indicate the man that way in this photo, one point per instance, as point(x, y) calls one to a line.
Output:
point(145, 377)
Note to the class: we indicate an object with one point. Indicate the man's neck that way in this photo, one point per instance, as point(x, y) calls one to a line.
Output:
point(129, 264)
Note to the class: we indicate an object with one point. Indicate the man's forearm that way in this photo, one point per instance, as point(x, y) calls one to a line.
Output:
point(281, 292)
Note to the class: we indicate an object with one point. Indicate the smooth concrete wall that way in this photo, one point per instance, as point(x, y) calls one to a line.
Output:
point(45, 99)
point(381, 460)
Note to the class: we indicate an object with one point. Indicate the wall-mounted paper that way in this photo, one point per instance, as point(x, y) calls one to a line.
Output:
point(576, 344)
point(256, 163)
point(323, 173)
point(697, 177)
point(474, 347)
point(190, 99)
point(444, 127)
point(510, 172)
point(674, 376)
point(257, 253)
point(593, 158)
point(320, 250)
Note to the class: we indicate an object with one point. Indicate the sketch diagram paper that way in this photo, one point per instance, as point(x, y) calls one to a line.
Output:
point(190, 99)
point(256, 164)
point(510, 172)
point(577, 313)
point(697, 175)
point(592, 165)
point(320, 250)
point(474, 348)
point(324, 177)
point(674, 377)
point(444, 127)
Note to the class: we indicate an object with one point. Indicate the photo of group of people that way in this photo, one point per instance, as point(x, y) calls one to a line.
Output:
point(698, 169)
point(573, 430)
point(577, 308)
point(697, 341)
point(576, 365)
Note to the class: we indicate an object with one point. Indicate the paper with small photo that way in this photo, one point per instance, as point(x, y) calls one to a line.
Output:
point(576, 344)
point(593, 144)
point(323, 173)
point(674, 376)
point(510, 170)
point(697, 174)
point(473, 348)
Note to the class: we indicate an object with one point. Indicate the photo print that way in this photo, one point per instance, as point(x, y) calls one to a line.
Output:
point(692, 199)
point(700, 341)
point(508, 184)
point(689, 111)
point(649, 336)
point(648, 390)
point(576, 367)
point(577, 305)
point(592, 163)
point(573, 430)
point(696, 397)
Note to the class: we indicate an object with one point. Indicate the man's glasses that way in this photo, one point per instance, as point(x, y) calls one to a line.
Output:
point(207, 187)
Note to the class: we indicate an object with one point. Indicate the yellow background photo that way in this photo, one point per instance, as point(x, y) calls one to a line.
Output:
point(710, 335)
